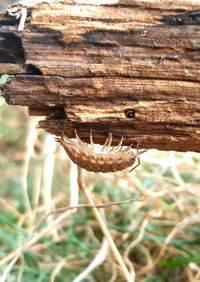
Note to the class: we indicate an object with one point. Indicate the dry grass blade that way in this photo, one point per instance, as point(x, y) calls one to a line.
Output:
point(56, 270)
point(30, 141)
point(133, 244)
point(4, 276)
point(97, 261)
point(48, 170)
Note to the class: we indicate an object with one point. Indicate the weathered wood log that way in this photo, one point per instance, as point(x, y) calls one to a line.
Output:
point(131, 67)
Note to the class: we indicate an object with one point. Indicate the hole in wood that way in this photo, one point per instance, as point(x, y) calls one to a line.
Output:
point(31, 69)
point(129, 113)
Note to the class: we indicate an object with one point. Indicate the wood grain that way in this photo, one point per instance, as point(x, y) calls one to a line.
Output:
point(130, 67)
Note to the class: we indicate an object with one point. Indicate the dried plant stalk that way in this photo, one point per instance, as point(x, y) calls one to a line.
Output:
point(103, 228)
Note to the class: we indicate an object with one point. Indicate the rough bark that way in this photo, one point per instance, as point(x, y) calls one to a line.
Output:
point(131, 68)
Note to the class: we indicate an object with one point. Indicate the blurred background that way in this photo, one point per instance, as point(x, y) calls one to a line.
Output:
point(4, 3)
point(158, 235)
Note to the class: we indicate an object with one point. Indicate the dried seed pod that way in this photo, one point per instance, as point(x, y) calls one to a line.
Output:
point(110, 159)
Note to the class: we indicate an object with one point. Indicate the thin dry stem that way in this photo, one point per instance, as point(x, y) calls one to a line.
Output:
point(173, 165)
point(74, 189)
point(99, 206)
point(49, 160)
point(7, 270)
point(19, 275)
point(49, 151)
point(139, 238)
point(37, 188)
point(104, 228)
point(197, 276)
point(57, 269)
point(30, 140)
point(134, 243)
point(97, 261)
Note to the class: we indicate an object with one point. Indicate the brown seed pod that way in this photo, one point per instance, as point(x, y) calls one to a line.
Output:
point(110, 159)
